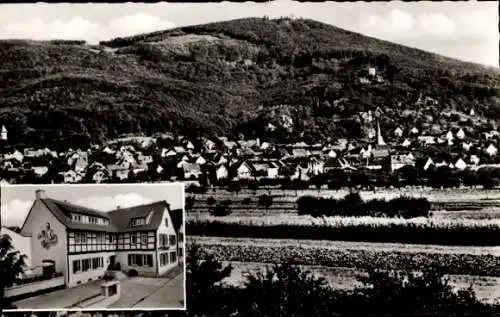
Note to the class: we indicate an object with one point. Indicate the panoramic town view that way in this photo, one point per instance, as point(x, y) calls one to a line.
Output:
point(77, 248)
point(330, 164)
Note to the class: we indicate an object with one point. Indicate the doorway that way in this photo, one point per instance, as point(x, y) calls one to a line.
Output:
point(112, 262)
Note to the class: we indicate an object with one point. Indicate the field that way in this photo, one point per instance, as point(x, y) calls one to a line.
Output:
point(340, 222)
point(482, 261)
point(434, 195)
point(486, 288)
point(340, 262)
point(450, 204)
point(462, 237)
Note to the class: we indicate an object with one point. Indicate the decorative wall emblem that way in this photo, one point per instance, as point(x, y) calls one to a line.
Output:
point(47, 237)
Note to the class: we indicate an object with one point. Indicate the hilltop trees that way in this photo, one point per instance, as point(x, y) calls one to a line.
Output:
point(277, 61)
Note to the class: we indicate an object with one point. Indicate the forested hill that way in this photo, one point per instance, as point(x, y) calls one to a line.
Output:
point(307, 79)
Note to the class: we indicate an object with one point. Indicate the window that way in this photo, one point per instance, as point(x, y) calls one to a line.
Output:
point(131, 259)
point(110, 238)
point(163, 259)
point(140, 260)
point(97, 263)
point(76, 217)
point(172, 239)
point(77, 266)
point(166, 222)
point(78, 237)
point(134, 239)
point(144, 238)
point(173, 257)
point(137, 222)
point(180, 251)
point(86, 265)
point(181, 237)
point(83, 237)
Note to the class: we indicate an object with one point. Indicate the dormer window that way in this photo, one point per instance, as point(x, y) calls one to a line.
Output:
point(136, 222)
point(76, 217)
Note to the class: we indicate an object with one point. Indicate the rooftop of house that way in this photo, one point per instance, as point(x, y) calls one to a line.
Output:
point(119, 219)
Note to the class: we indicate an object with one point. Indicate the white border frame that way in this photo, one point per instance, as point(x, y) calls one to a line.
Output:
point(121, 185)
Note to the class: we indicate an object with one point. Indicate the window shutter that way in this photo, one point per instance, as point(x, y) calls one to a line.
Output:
point(150, 260)
point(130, 259)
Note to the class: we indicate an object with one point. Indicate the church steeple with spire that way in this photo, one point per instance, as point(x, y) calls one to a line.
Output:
point(3, 135)
point(380, 139)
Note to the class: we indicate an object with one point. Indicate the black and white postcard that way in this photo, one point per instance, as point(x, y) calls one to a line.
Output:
point(335, 157)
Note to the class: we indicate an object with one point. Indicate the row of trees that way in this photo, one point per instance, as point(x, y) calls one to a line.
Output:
point(353, 205)
point(441, 177)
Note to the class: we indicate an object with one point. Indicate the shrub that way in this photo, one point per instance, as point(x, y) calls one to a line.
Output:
point(211, 201)
point(265, 201)
point(285, 290)
point(133, 273)
point(253, 185)
point(203, 274)
point(222, 209)
point(189, 203)
point(394, 291)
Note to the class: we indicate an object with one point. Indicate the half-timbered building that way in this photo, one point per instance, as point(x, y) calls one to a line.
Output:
point(83, 243)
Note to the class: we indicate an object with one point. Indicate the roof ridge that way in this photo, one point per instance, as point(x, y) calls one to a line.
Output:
point(76, 206)
point(137, 206)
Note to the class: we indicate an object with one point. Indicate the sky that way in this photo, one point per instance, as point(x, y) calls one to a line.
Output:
point(16, 200)
point(467, 30)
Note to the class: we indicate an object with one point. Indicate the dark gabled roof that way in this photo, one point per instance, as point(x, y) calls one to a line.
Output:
point(177, 218)
point(68, 208)
point(62, 210)
point(121, 218)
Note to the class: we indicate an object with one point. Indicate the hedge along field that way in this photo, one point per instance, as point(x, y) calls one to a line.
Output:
point(466, 232)
point(255, 250)
point(353, 205)
point(433, 195)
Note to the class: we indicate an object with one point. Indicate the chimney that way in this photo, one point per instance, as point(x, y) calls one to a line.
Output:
point(40, 194)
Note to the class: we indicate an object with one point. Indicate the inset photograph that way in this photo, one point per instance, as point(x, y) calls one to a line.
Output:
point(95, 246)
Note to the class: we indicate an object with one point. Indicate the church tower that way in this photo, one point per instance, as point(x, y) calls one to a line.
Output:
point(3, 135)
point(380, 139)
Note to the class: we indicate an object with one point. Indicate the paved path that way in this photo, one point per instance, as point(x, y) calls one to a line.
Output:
point(170, 295)
point(145, 292)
